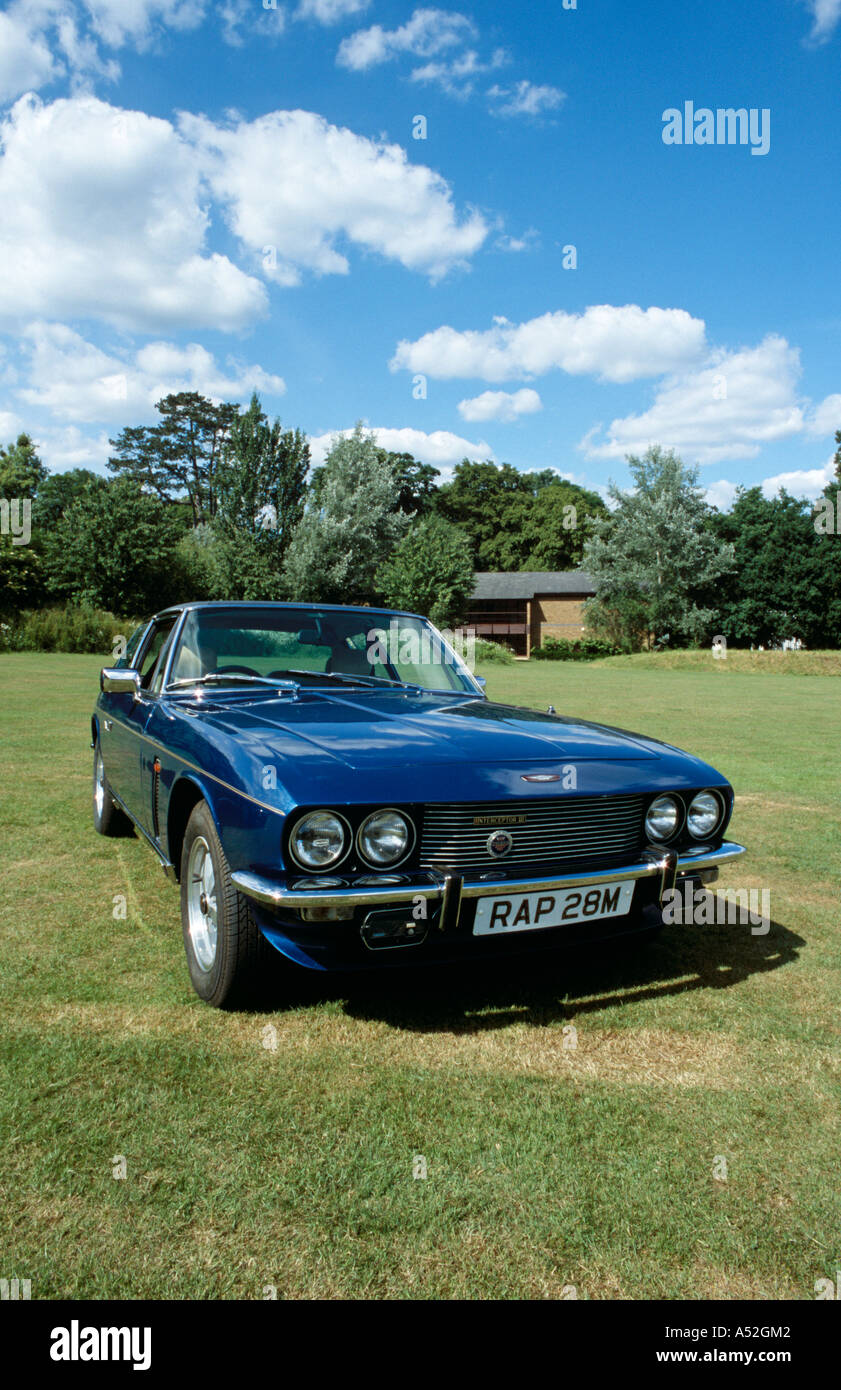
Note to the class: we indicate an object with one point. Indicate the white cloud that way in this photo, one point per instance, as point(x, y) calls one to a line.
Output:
point(440, 448)
point(36, 34)
point(501, 405)
point(614, 343)
point(123, 21)
point(121, 236)
point(428, 32)
point(526, 242)
point(241, 18)
point(526, 99)
point(825, 17)
point(294, 186)
point(826, 416)
point(724, 410)
point(329, 11)
point(11, 426)
point(25, 58)
point(803, 482)
point(458, 76)
point(69, 447)
point(79, 382)
point(721, 495)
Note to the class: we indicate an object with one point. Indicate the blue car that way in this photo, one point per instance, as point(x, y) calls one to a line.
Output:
point(332, 784)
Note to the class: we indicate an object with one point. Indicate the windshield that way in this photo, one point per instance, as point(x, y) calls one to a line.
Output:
point(316, 647)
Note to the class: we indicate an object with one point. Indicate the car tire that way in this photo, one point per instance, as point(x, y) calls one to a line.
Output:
point(228, 957)
point(108, 819)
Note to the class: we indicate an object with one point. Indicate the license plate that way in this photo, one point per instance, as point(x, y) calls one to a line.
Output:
point(528, 911)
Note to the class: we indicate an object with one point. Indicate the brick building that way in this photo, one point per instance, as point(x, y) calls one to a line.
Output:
point(523, 608)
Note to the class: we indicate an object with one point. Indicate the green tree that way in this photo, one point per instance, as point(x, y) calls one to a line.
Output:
point(21, 577)
point(350, 525)
point(430, 571)
point(21, 470)
point(828, 555)
point(115, 548)
point(22, 474)
point(179, 457)
point(416, 482)
point(56, 493)
point(654, 557)
point(782, 585)
point(492, 503)
point(262, 486)
point(546, 531)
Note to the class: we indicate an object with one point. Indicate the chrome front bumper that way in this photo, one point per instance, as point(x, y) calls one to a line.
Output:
point(451, 889)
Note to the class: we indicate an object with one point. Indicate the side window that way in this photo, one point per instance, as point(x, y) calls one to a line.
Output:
point(133, 646)
point(154, 651)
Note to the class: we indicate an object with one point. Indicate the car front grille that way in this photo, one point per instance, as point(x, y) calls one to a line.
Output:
point(579, 829)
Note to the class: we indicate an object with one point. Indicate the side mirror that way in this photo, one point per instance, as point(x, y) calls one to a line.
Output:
point(481, 680)
point(119, 680)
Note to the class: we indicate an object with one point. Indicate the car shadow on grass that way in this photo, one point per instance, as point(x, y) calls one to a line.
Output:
point(550, 986)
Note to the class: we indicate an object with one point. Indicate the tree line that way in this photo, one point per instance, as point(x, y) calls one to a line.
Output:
point(217, 501)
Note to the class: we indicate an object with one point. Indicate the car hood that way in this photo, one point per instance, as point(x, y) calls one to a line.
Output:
point(415, 746)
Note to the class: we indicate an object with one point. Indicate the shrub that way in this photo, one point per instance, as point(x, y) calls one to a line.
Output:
point(586, 649)
point(493, 651)
point(71, 629)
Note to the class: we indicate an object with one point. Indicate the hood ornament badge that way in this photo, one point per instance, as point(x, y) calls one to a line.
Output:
point(540, 776)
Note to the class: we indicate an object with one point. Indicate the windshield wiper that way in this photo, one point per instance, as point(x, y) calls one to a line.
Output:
point(215, 678)
point(344, 676)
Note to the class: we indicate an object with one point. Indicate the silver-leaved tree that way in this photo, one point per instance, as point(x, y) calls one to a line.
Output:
point(655, 562)
point(350, 525)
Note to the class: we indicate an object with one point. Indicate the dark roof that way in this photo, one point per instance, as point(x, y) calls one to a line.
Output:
point(527, 583)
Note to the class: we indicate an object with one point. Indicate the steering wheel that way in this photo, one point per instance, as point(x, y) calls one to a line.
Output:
point(234, 670)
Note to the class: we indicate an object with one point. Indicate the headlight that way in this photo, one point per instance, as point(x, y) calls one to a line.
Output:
point(319, 840)
point(384, 838)
point(662, 819)
point(703, 815)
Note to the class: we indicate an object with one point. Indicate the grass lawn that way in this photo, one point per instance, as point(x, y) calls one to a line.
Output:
point(279, 1149)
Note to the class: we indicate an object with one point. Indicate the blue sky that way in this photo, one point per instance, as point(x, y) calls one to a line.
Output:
point(226, 196)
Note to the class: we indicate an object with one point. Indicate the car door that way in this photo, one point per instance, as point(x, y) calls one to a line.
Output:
point(128, 716)
point(149, 763)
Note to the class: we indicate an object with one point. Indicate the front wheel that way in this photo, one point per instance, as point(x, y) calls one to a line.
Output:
point(227, 955)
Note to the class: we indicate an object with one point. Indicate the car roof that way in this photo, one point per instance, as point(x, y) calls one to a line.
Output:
point(201, 604)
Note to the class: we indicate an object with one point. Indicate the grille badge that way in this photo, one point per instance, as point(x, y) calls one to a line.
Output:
point(500, 843)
